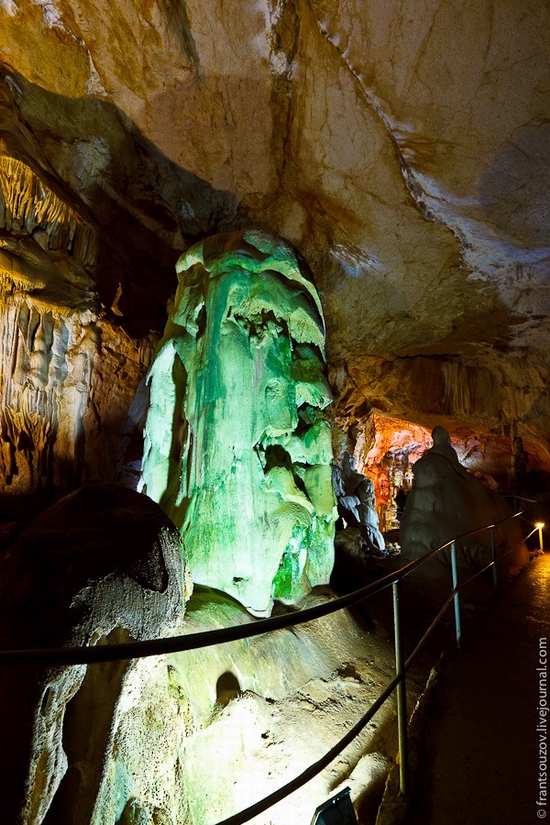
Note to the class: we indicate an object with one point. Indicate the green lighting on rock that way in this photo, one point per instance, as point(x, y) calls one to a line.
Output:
point(237, 443)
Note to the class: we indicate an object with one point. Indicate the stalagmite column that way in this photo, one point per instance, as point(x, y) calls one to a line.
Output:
point(237, 446)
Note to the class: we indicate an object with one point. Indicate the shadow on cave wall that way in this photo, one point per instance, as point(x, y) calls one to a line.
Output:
point(146, 208)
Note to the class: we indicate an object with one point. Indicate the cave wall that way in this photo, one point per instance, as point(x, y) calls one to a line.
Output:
point(68, 374)
point(402, 148)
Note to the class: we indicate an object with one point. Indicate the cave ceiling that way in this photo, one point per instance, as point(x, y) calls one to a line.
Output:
point(402, 147)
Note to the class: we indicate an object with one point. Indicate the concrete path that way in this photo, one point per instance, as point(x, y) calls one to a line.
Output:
point(481, 743)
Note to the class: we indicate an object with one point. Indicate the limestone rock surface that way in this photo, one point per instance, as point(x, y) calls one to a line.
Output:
point(68, 373)
point(401, 147)
point(102, 565)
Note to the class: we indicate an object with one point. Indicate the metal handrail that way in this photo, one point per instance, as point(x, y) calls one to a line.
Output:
point(132, 650)
point(193, 641)
point(398, 681)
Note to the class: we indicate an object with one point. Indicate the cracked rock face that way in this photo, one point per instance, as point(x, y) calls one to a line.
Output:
point(402, 149)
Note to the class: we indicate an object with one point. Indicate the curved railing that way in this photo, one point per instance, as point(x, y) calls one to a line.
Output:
point(192, 641)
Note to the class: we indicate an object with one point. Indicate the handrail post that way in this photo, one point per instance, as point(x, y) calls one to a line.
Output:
point(493, 558)
point(456, 599)
point(401, 692)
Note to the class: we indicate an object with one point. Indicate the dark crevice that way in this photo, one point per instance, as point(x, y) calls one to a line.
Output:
point(227, 688)
point(307, 351)
point(258, 323)
point(201, 321)
point(277, 456)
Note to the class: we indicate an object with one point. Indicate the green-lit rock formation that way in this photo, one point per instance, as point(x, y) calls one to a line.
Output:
point(237, 446)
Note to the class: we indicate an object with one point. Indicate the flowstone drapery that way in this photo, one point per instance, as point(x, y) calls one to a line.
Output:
point(357, 505)
point(237, 446)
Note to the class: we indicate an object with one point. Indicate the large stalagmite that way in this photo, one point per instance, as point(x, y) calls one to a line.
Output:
point(446, 502)
point(237, 446)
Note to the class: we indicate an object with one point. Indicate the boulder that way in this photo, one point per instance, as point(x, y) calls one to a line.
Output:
point(100, 566)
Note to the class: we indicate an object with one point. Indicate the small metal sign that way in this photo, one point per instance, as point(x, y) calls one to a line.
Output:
point(336, 811)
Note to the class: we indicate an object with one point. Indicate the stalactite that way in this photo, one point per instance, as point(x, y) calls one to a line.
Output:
point(45, 393)
point(48, 337)
point(26, 204)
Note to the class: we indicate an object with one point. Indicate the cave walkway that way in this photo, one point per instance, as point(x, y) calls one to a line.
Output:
point(480, 745)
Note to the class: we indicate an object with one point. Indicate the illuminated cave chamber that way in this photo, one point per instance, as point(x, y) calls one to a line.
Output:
point(413, 178)
point(128, 743)
point(478, 478)
point(387, 448)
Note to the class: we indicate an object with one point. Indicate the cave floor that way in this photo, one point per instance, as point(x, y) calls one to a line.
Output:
point(479, 761)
